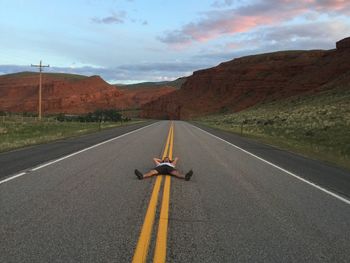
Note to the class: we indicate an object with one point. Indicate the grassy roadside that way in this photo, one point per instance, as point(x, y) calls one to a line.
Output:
point(16, 133)
point(317, 126)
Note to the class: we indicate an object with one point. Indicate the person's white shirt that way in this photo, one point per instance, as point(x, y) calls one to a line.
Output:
point(166, 163)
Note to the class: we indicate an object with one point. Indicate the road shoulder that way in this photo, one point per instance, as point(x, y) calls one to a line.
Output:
point(333, 178)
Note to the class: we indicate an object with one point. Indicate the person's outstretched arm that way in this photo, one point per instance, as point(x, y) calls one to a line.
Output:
point(157, 161)
point(175, 161)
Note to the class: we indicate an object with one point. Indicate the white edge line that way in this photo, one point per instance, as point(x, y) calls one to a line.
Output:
point(72, 154)
point(280, 168)
point(12, 177)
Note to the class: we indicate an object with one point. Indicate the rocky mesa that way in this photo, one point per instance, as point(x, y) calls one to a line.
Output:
point(134, 98)
point(247, 81)
point(68, 93)
point(61, 93)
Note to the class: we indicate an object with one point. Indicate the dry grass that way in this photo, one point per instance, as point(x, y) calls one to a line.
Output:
point(317, 126)
point(16, 132)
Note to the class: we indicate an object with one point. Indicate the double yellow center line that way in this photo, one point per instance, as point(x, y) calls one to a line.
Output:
point(141, 251)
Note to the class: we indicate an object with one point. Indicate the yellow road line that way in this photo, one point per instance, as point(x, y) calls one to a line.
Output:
point(165, 152)
point(171, 143)
point(161, 244)
point(141, 251)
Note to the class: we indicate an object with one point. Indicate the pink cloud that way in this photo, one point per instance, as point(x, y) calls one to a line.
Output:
point(245, 18)
point(332, 4)
point(232, 45)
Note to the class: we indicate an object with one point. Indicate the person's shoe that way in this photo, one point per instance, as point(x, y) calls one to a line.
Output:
point(139, 174)
point(188, 175)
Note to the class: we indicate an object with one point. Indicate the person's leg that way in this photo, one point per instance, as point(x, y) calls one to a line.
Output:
point(146, 175)
point(188, 175)
point(150, 173)
point(177, 174)
point(138, 174)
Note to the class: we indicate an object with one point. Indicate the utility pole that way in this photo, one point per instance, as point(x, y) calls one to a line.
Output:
point(122, 113)
point(40, 66)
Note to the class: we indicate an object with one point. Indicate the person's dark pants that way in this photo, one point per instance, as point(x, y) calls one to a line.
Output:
point(164, 169)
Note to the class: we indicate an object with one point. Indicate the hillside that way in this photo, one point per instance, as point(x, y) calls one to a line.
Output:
point(52, 75)
point(69, 93)
point(316, 125)
point(61, 93)
point(135, 97)
point(174, 84)
point(244, 82)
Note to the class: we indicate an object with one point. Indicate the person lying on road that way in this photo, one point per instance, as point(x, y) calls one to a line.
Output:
point(164, 167)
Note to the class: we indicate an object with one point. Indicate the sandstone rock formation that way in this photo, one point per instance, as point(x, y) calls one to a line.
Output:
point(247, 81)
point(73, 94)
point(19, 93)
point(343, 44)
point(134, 98)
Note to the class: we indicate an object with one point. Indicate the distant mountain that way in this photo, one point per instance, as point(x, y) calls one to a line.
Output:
point(70, 93)
point(54, 75)
point(175, 84)
point(244, 82)
point(136, 95)
point(134, 98)
point(61, 93)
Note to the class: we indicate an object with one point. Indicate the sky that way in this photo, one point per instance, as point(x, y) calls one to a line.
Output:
point(129, 41)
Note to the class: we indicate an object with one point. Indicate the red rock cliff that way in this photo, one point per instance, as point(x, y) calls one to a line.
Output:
point(136, 97)
point(19, 93)
point(64, 93)
point(247, 81)
point(343, 44)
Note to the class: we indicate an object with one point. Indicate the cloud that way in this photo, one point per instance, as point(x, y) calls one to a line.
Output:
point(248, 17)
point(223, 3)
point(342, 6)
point(317, 33)
point(176, 38)
point(118, 18)
point(312, 35)
point(114, 18)
point(162, 67)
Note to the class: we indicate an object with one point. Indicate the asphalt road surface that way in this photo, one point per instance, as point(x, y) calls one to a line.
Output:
point(241, 205)
point(19, 160)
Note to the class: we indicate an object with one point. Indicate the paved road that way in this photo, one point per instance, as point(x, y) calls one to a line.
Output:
point(237, 208)
point(333, 178)
point(21, 159)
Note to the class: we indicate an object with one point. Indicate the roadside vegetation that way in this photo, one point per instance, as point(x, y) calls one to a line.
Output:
point(23, 130)
point(317, 126)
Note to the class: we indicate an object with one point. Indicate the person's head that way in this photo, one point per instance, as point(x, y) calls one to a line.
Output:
point(166, 160)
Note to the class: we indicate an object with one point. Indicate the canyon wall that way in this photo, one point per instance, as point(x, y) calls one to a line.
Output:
point(71, 94)
point(247, 81)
